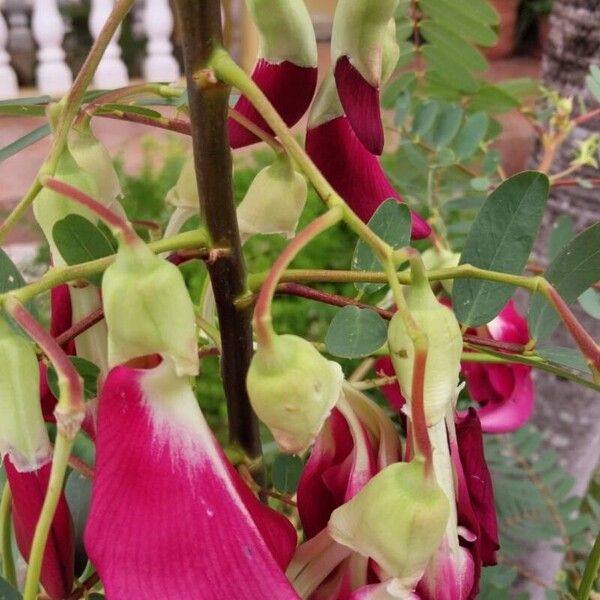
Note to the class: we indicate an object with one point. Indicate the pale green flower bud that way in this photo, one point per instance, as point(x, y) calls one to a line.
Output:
point(274, 201)
point(444, 351)
point(441, 259)
point(50, 206)
point(286, 31)
point(23, 434)
point(326, 105)
point(360, 32)
point(148, 310)
point(391, 51)
point(292, 389)
point(398, 519)
point(93, 158)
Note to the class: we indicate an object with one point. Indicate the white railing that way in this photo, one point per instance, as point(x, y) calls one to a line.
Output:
point(39, 26)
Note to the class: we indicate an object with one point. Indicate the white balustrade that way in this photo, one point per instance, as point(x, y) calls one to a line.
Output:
point(160, 64)
point(52, 74)
point(111, 72)
point(8, 77)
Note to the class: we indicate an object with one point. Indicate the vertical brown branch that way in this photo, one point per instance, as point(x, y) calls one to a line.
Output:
point(200, 22)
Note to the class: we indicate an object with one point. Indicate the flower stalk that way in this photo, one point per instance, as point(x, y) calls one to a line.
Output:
point(8, 562)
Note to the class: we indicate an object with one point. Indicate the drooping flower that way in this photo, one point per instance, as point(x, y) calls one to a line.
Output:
point(356, 442)
point(286, 70)
point(354, 173)
point(364, 53)
point(26, 452)
point(169, 516)
point(505, 393)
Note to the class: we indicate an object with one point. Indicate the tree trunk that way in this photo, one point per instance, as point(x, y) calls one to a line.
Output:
point(567, 414)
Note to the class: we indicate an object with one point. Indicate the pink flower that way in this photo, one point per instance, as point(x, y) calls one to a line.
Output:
point(289, 87)
point(505, 392)
point(169, 517)
point(353, 172)
point(61, 317)
point(28, 492)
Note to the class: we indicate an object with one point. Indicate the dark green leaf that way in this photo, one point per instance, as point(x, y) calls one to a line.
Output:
point(445, 39)
point(31, 100)
point(131, 108)
point(402, 109)
point(89, 373)
point(78, 491)
point(18, 110)
point(391, 222)
point(7, 591)
point(561, 234)
point(10, 277)
point(572, 272)
point(446, 126)
point(23, 142)
point(590, 302)
point(404, 82)
point(79, 240)
point(501, 240)
point(471, 135)
point(449, 69)
point(355, 332)
point(286, 473)
point(464, 203)
point(462, 19)
point(424, 117)
point(564, 357)
point(491, 99)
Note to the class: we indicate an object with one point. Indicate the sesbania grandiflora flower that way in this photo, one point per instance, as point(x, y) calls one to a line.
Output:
point(286, 70)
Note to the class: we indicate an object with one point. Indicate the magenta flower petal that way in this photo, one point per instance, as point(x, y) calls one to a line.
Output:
point(168, 519)
point(478, 485)
point(450, 578)
point(61, 317)
point(391, 391)
point(513, 411)
point(353, 171)
point(509, 326)
point(289, 87)
point(28, 492)
point(360, 101)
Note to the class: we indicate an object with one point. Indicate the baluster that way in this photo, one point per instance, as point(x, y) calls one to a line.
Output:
point(160, 64)
point(111, 72)
point(52, 74)
point(8, 78)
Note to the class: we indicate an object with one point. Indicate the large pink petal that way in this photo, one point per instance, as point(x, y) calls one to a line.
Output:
point(28, 492)
point(448, 577)
point(353, 171)
point(512, 412)
point(167, 518)
point(288, 87)
point(360, 101)
point(509, 326)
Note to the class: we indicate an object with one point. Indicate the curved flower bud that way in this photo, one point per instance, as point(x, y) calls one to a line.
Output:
point(441, 258)
point(274, 201)
point(361, 30)
point(93, 158)
point(398, 519)
point(286, 70)
point(148, 309)
point(163, 489)
point(292, 389)
point(444, 352)
point(505, 392)
point(23, 436)
point(353, 172)
point(50, 206)
point(26, 452)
